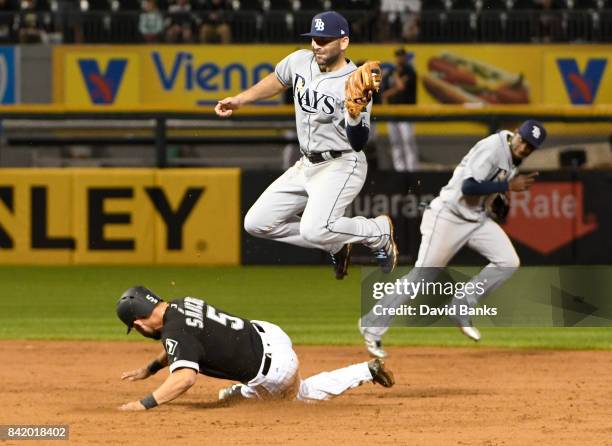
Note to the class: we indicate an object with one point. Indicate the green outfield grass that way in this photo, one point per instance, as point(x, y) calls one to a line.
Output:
point(79, 303)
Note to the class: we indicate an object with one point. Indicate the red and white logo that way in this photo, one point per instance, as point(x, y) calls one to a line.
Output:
point(549, 216)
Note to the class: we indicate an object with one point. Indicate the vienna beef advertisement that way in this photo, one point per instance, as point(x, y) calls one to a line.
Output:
point(191, 76)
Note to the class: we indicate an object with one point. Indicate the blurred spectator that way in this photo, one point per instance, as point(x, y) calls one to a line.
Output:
point(7, 11)
point(151, 22)
point(29, 23)
point(551, 18)
point(215, 28)
point(399, 20)
point(69, 20)
point(180, 22)
point(399, 87)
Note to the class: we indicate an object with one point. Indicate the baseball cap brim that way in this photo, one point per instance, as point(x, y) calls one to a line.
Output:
point(322, 35)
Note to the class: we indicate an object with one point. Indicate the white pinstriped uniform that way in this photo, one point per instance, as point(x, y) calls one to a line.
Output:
point(283, 378)
point(321, 192)
point(454, 220)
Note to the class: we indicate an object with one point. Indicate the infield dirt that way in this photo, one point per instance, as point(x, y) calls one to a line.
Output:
point(449, 396)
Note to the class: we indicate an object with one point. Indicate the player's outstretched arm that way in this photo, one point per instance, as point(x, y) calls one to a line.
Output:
point(177, 383)
point(266, 88)
point(156, 365)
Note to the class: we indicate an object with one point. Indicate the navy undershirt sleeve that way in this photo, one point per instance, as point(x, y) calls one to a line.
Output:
point(357, 135)
point(472, 187)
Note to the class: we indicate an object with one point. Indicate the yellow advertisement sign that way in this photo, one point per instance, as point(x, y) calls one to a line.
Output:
point(101, 78)
point(120, 216)
point(188, 76)
point(582, 76)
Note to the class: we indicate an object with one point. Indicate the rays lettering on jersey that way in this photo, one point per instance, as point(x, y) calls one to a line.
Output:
point(194, 312)
point(312, 101)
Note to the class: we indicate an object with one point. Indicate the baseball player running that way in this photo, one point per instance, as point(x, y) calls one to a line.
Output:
point(199, 338)
point(466, 213)
point(332, 100)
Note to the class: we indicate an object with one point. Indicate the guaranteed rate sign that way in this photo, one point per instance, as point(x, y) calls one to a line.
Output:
point(120, 216)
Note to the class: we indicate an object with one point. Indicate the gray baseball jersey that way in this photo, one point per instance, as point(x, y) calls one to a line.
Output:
point(319, 102)
point(489, 160)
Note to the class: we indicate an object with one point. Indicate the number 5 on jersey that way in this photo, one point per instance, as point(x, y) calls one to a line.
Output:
point(222, 318)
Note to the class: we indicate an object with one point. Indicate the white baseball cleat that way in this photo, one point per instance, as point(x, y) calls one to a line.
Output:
point(471, 332)
point(373, 344)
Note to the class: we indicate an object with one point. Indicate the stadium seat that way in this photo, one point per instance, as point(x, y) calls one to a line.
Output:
point(96, 24)
point(434, 5)
point(432, 26)
point(519, 5)
point(461, 26)
point(302, 20)
point(311, 5)
point(275, 27)
point(521, 26)
point(124, 23)
point(280, 5)
point(99, 5)
point(250, 5)
point(580, 26)
point(461, 5)
point(494, 5)
point(585, 4)
point(133, 5)
point(492, 25)
point(605, 25)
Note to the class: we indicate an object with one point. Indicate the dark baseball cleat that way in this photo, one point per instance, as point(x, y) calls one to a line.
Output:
point(341, 261)
point(380, 373)
point(386, 257)
point(231, 394)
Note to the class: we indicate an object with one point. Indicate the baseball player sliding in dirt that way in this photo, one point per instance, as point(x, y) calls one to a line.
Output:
point(199, 338)
point(466, 213)
point(332, 100)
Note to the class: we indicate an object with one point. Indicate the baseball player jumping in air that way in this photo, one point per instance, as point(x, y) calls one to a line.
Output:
point(467, 212)
point(332, 100)
point(199, 338)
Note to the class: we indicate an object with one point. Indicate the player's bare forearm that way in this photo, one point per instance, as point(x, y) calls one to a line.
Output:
point(175, 385)
point(152, 368)
point(162, 358)
point(266, 88)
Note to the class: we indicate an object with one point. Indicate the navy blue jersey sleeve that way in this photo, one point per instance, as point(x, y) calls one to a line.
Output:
point(472, 187)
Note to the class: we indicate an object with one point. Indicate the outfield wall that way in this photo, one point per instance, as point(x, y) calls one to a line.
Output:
point(194, 217)
point(120, 216)
point(565, 218)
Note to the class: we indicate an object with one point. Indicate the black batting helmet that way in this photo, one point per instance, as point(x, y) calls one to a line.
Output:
point(135, 303)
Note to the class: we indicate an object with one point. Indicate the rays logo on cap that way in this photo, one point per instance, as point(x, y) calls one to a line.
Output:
point(319, 25)
point(535, 131)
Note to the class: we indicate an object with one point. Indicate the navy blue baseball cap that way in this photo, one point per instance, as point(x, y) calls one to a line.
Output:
point(328, 24)
point(533, 132)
